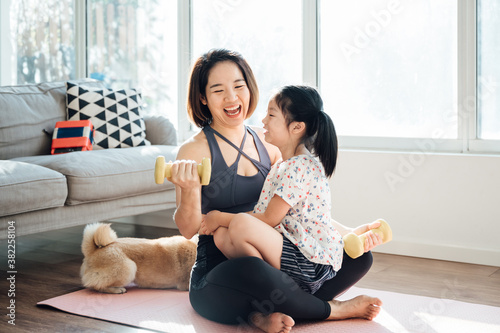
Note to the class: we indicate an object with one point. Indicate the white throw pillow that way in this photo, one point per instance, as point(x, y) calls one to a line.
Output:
point(115, 114)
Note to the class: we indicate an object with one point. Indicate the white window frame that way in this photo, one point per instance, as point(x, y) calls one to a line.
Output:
point(466, 105)
point(467, 141)
point(81, 54)
point(185, 58)
point(310, 42)
point(472, 83)
point(5, 46)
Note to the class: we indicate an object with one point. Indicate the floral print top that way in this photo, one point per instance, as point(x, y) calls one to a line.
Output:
point(302, 183)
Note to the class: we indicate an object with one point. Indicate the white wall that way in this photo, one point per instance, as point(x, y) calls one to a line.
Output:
point(441, 206)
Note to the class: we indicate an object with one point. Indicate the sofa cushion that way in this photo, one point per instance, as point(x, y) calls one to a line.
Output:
point(27, 187)
point(28, 110)
point(115, 114)
point(107, 174)
point(160, 131)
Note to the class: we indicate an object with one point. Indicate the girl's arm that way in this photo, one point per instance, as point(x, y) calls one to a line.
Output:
point(342, 229)
point(215, 219)
point(275, 212)
point(372, 239)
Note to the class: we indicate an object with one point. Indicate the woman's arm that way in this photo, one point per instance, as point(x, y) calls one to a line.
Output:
point(187, 188)
point(188, 215)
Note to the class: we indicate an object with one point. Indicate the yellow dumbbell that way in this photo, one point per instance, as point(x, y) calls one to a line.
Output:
point(164, 170)
point(354, 245)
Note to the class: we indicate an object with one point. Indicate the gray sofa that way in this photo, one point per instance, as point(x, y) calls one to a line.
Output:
point(41, 192)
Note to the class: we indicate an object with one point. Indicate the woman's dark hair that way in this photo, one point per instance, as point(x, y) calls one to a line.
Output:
point(197, 111)
point(304, 104)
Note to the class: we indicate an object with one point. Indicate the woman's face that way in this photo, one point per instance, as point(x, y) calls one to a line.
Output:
point(227, 94)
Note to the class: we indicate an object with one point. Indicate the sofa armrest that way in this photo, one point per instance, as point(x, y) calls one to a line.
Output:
point(160, 130)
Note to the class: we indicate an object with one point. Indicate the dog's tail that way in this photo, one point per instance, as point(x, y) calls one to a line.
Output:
point(97, 235)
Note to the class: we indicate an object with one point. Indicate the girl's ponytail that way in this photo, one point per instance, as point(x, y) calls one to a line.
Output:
point(324, 142)
point(304, 104)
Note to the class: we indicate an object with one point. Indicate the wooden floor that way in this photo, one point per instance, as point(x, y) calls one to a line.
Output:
point(47, 265)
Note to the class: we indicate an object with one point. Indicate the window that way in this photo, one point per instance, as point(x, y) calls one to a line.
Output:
point(393, 74)
point(388, 68)
point(267, 33)
point(134, 44)
point(41, 40)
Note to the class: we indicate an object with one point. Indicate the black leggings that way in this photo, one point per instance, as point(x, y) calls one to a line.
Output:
point(239, 287)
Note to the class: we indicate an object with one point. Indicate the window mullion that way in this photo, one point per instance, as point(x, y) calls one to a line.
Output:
point(80, 38)
point(310, 38)
point(185, 49)
point(466, 72)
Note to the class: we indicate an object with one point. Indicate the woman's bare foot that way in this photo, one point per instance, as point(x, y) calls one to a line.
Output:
point(276, 322)
point(363, 306)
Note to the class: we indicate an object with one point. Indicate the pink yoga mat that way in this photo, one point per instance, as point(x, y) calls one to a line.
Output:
point(170, 311)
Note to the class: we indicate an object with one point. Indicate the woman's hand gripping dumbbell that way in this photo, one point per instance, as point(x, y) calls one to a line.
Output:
point(164, 170)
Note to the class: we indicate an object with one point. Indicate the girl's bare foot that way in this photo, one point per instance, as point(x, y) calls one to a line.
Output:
point(276, 322)
point(363, 306)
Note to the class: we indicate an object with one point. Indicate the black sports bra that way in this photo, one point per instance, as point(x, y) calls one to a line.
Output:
point(228, 191)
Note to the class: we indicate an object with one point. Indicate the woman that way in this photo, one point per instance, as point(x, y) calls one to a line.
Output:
point(222, 94)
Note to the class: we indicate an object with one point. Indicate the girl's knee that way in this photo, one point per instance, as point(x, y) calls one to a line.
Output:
point(238, 226)
point(223, 241)
point(218, 238)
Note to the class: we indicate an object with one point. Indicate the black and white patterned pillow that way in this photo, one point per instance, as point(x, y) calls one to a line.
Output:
point(115, 115)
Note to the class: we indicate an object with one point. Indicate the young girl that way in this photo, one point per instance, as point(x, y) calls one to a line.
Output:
point(295, 199)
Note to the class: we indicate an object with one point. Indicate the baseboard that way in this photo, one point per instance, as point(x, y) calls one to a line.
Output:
point(162, 218)
point(442, 252)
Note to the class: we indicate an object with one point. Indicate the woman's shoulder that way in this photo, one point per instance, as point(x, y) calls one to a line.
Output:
point(272, 150)
point(194, 148)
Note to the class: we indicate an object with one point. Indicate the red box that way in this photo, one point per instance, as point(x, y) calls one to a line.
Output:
point(72, 135)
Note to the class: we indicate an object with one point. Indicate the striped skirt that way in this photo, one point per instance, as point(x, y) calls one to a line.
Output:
point(308, 275)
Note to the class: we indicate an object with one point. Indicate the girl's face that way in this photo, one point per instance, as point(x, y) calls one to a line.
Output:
point(275, 126)
point(226, 94)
